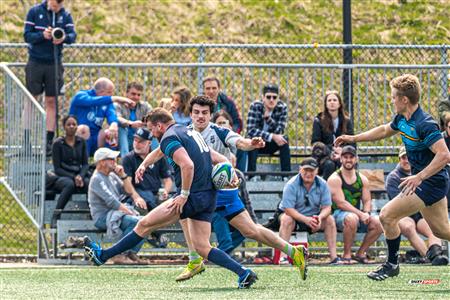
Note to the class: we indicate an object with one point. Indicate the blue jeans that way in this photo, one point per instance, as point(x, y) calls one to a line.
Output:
point(149, 198)
point(227, 240)
point(241, 160)
point(127, 225)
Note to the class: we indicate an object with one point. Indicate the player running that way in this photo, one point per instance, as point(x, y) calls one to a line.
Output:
point(425, 190)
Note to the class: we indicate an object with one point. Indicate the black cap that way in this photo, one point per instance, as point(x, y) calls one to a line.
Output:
point(270, 88)
point(143, 133)
point(309, 163)
point(348, 150)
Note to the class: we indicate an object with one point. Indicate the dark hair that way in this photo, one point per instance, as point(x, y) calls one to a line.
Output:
point(202, 100)
point(159, 114)
point(185, 97)
point(270, 88)
point(222, 113)
point(66, 118)
point(135, 85)
point(211, 78)
point(326, 120)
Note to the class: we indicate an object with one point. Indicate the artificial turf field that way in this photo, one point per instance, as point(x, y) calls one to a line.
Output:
point(157, 282)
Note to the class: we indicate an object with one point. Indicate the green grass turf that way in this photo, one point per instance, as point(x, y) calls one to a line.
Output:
point(338, 282)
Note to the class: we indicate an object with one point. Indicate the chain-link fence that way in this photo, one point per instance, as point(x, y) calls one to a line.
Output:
point(303, 72)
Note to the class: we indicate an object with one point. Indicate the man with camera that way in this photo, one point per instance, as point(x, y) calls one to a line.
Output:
point(48, 25)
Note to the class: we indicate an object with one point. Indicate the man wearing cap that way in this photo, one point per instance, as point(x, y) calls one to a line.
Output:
point(109, 188)
point(267, 119)
point(352, 205)
point(148, 188)
point(414, 224)
point(306, 206)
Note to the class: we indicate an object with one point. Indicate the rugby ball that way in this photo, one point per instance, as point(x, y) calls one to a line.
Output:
point(222, 175)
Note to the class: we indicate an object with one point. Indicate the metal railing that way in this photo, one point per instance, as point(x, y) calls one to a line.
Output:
point(302, 87)
point(22, 136)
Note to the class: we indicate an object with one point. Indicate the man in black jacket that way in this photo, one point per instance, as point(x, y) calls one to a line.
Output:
point(43, 41)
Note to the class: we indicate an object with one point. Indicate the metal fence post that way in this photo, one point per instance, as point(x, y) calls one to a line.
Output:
point(200, 71)
point(444, 73)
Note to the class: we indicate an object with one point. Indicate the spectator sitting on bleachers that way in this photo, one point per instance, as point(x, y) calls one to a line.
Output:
point(91, 107)
point(145, 193)
point(211, 88)
point(267, 119)
point(348, 189)
point(332, 122)
point(70, 163)
point(223, 119)
point(180, 105)
point(412, 225)
point(130, 118)
point(321, 153)
point(306, 204)
point(109, 189)
point(444, 108)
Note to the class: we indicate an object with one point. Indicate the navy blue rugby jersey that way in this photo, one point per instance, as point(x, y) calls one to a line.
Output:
point(178, 136)
point(418, 134)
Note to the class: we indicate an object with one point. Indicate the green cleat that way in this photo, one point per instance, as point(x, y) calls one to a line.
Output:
point(299, 260)
point(193, 268)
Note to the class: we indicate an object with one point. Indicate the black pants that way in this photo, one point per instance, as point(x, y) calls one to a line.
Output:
point(66, 188)
point(271, 148)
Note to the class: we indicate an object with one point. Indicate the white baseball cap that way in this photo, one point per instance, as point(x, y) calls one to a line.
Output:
point(105, 153)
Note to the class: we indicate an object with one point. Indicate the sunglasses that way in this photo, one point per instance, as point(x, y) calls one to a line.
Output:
point(307, 203)
point(271, 97)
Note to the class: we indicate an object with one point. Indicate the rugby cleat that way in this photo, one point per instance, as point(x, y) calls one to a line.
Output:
point(299, 260)
point(193, 268)
point(247, 279)
point(93, 250)
point(384, 271)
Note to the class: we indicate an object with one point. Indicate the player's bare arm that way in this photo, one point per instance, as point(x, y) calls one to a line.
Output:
point(374, 134)
point(441, 158)
point(151, 158)
point(181, 158)
point(250, 144)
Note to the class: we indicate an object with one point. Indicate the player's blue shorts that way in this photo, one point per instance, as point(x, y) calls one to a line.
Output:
point(200, 206)
point(433, 189)
point(229, 205)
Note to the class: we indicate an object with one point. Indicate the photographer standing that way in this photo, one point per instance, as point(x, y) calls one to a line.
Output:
point(47, 27)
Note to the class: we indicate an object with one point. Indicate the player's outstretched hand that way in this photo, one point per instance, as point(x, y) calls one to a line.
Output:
point(409, 184)
point(258, 142)
point(344, 139)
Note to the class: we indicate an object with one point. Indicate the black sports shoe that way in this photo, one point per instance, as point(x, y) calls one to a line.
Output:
point(247, 279)
point(384, 271)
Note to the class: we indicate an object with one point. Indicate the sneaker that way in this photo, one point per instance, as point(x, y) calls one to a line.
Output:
point(193, 268)
point(93, 250)
point(384, 271)
point(299, 260)
point(247, 279)
point(440, 260)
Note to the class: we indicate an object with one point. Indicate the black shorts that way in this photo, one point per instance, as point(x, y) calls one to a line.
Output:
point(416, 217)
point(200, 206)
point(40, 77)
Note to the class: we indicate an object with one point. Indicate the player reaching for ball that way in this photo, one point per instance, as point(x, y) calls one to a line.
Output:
point(425, 190)
point(195, 201)
point(229, 205)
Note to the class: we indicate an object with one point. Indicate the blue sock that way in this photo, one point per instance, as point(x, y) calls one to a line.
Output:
point(393, 247)
point(126, 243)
point(222, 259)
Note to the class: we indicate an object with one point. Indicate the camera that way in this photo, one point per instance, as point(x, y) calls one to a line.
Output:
point(58, 33)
